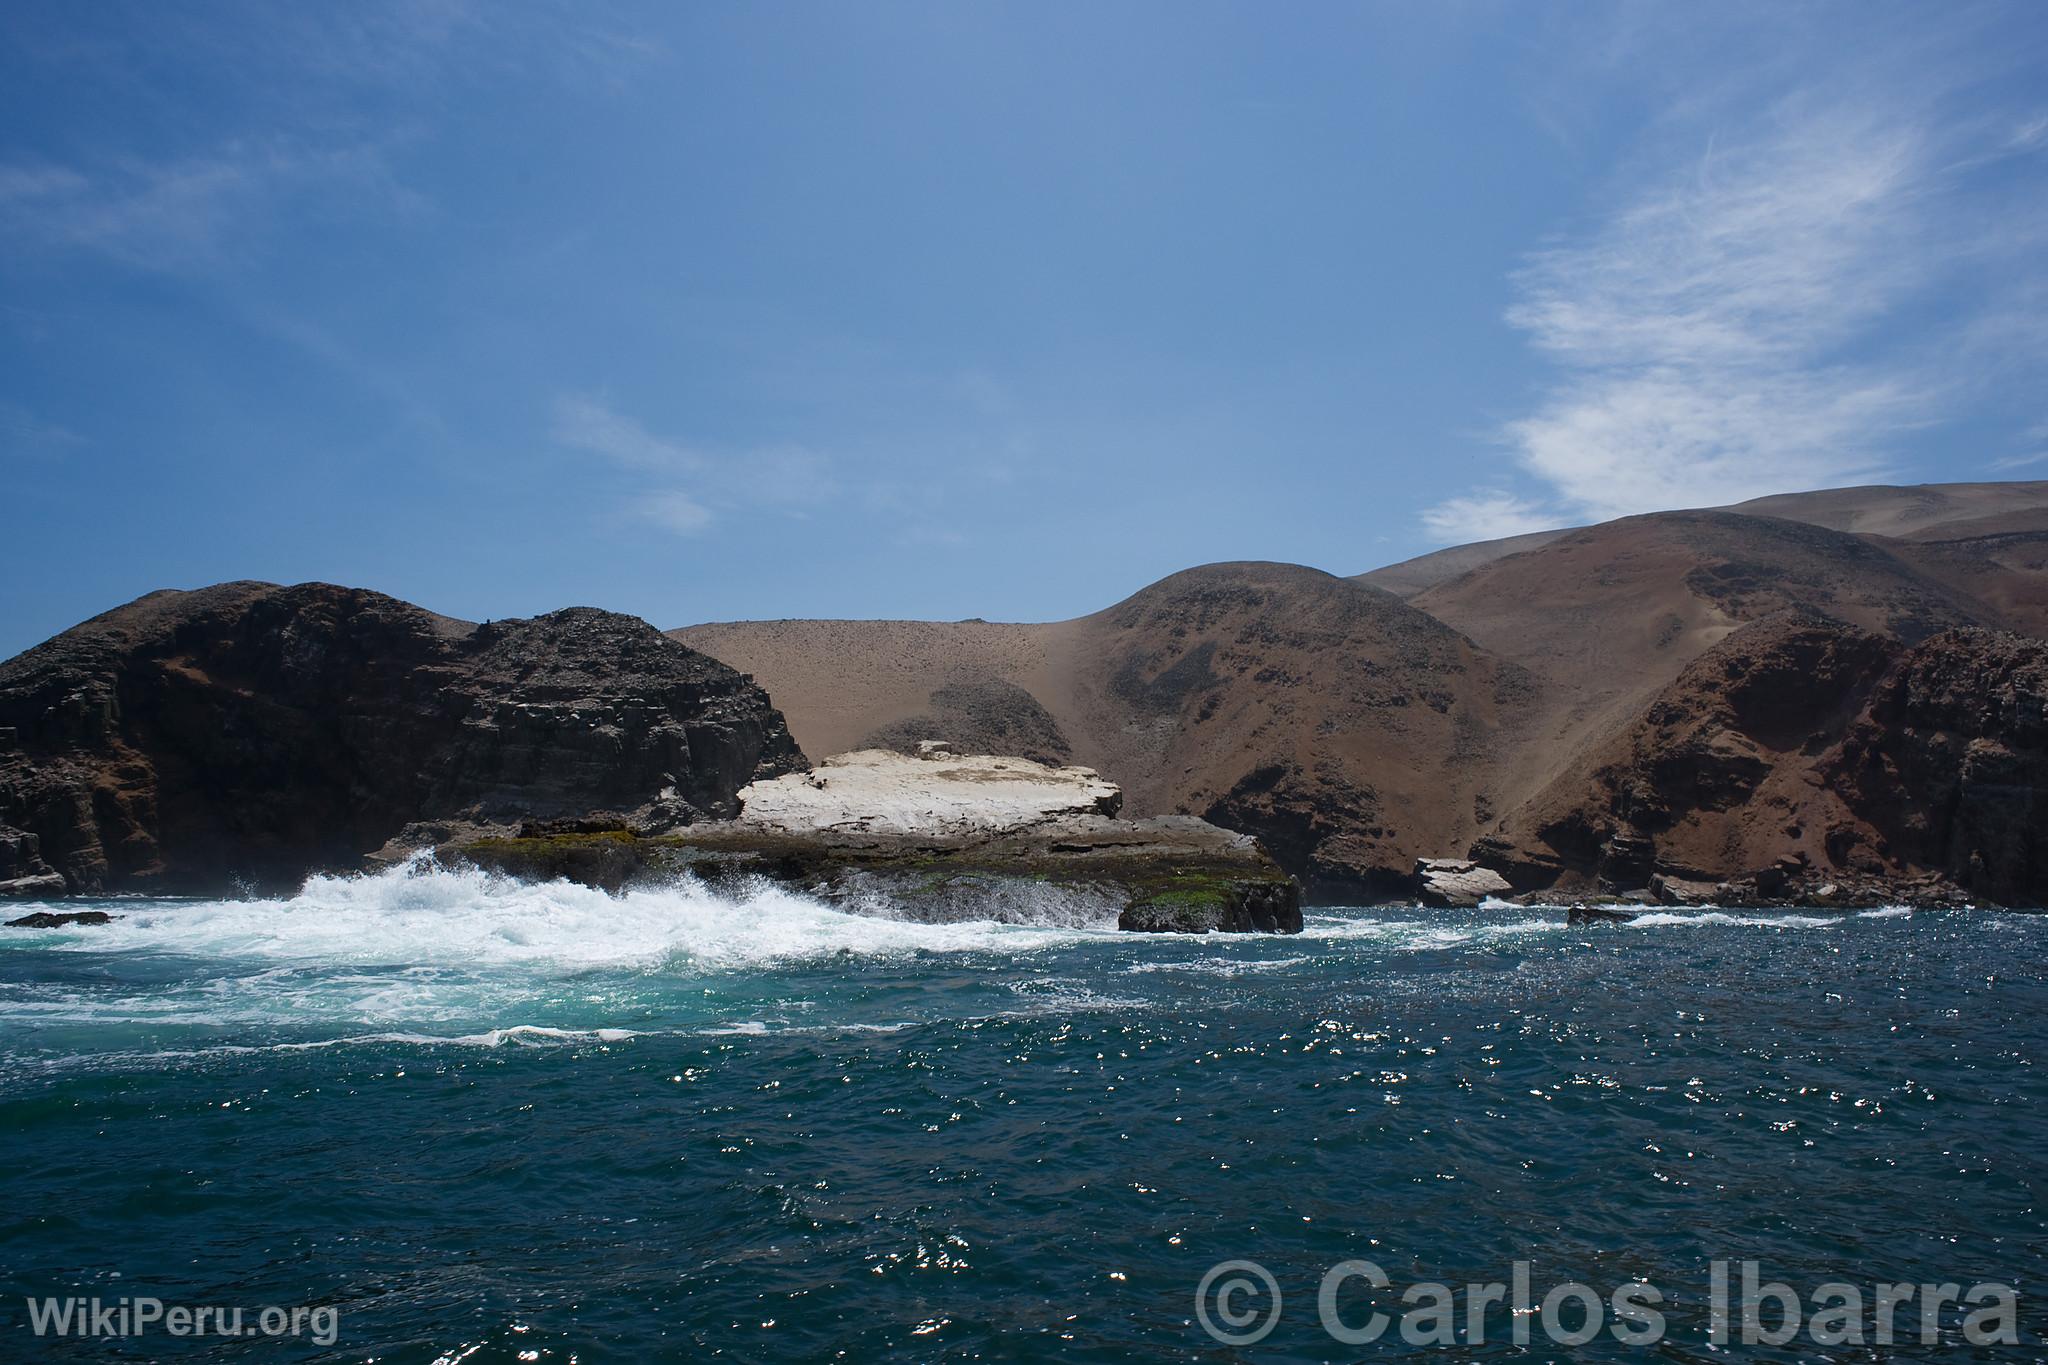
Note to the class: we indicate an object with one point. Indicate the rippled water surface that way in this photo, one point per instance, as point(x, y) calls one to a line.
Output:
point(489, 1122)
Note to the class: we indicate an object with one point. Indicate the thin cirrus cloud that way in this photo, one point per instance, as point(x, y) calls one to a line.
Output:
point(24, 434)
point(682, 489)
point(1725, 334)
point(192, 212)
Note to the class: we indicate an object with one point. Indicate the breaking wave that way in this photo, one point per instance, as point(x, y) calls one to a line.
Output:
point(424, 915)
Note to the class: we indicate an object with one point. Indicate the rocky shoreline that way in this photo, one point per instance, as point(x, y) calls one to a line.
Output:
point(938, 836)
point(1790, 884)
point(242, 737)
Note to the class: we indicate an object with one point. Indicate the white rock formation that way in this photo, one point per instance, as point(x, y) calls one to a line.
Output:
point(1458, 881)
point(938, 794)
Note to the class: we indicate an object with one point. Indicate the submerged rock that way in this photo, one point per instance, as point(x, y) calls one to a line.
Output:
point(47, 919)
point(942, 836)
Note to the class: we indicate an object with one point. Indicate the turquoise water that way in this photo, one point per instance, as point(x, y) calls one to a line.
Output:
point(486, 1122)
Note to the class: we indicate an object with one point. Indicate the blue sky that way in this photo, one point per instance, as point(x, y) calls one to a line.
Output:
point(712, 311)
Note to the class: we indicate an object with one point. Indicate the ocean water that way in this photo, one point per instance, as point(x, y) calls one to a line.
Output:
point(480, 1121)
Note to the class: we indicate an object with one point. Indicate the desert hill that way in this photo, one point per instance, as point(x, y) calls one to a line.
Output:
point(1656, 701)
point(1911, 510)
point(2000, 561)
point(1423, 572)
point(1610, 614)
point(1354, 731)
point(1899, 509)
point(1348, 730)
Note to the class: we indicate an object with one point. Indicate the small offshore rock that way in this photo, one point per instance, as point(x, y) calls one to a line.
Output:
point(1669, 890)
point(40, 886)
point(1229, 908)
point(46, 919)
point(1457, 882)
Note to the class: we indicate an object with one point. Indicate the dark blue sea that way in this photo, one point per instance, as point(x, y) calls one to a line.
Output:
point(453, 1119)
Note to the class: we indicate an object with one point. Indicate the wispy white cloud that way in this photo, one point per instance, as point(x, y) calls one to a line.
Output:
point(682, 488)
point(1485, 516)
point(193, 212)
point(23, 433)
point(1738, 324)
point(673, 511)
point(2037, 436)
point(585, 423)
point(199, 201)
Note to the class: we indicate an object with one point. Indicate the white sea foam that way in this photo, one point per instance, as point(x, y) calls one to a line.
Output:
point(1424, 934)
point(515, 1035)
point(1221, 966)
point(1669, 919)
point(424, 916)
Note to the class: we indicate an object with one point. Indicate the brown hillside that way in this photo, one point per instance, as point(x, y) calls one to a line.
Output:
point(1610, 614)
point(1350, 731)
point(1423, 572)
point(1910, 510)
point(1355, 731)
point(1999, 560)
point(1898, 510)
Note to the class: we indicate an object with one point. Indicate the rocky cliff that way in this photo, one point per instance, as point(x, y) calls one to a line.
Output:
point(249, 733)
point(1804, 758)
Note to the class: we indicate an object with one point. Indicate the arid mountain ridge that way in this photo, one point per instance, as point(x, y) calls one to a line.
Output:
point(1515, 699)
point(1830, 695)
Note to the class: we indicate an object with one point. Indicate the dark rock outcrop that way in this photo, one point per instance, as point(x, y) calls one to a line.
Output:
point(247, 734)
point(1235, 907)
point(47, 919)
point(1947, 763)
point(1806, 761)
point(982, 716)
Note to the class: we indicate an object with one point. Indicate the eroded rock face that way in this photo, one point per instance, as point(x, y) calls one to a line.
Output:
point(1805, 760)
point(250, 734)
point(1948, 763)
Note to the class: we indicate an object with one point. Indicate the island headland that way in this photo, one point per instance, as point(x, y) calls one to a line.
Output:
point(1838, 698)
